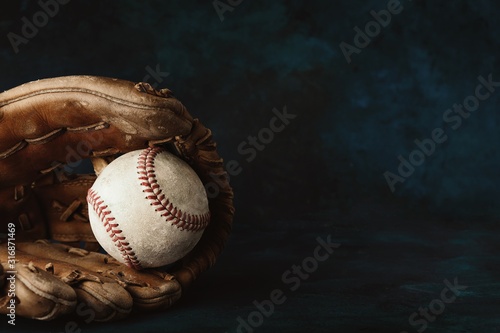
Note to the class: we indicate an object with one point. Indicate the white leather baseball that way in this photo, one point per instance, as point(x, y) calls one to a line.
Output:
point(148, 208)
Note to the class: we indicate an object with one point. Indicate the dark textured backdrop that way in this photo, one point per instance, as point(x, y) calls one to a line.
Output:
point(324, 173)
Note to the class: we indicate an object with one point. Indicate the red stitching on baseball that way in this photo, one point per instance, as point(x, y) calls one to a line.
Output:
point(110, 224)
point(147, 176)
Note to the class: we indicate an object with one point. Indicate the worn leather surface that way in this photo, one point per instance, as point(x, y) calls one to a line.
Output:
point(47, 124)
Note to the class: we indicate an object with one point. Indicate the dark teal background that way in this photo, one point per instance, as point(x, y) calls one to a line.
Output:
point(324, 173)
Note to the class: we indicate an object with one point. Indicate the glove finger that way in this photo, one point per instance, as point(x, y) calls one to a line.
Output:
point(149, 289)
point(34, 293)
point(104, 296)
point(61, 120)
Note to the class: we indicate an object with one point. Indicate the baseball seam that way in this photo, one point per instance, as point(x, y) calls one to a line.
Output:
point(111, 226)
point(147, 176)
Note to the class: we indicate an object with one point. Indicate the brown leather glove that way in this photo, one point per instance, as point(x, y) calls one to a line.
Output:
point(47, 124)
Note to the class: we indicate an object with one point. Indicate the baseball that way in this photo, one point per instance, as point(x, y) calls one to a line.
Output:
point(148, 208)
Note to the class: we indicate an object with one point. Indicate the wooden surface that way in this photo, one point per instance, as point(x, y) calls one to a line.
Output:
point(388, 266)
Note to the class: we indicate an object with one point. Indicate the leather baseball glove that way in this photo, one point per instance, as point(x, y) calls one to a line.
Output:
point(50, 123)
